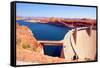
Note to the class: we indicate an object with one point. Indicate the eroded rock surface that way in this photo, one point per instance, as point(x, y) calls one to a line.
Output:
point(29, 50)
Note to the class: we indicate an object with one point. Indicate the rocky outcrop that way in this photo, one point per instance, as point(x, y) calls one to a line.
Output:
point(19, 18)
point(25, 39)
point(29, 50)
point(70, 22)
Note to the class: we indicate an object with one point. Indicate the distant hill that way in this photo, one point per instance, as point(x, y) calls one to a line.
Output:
point(71, 22)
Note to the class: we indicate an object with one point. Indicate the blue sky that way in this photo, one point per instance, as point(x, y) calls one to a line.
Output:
point(40, 10)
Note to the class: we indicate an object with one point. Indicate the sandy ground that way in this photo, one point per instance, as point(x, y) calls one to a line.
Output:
point(35, 57)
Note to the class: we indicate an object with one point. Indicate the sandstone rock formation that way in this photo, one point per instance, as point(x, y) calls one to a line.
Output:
point(29, 50)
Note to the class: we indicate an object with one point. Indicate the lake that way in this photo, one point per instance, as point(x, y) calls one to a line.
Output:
point(48, 31)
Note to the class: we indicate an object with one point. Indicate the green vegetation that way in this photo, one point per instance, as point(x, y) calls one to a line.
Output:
point(25, 45)
point(28, 47)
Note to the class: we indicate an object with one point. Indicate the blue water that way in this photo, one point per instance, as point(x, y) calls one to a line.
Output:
point(47, 32)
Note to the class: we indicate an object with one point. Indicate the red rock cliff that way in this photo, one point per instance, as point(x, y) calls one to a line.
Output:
point(29, 50)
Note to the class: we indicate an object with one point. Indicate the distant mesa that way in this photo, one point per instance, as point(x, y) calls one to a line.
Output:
point(70, 22)
point(19, 18)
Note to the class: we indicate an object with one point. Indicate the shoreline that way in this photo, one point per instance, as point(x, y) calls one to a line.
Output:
point(64, 21)
point(30, 56)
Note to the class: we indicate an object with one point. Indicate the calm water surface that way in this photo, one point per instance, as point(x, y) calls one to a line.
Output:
point(47, 32)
